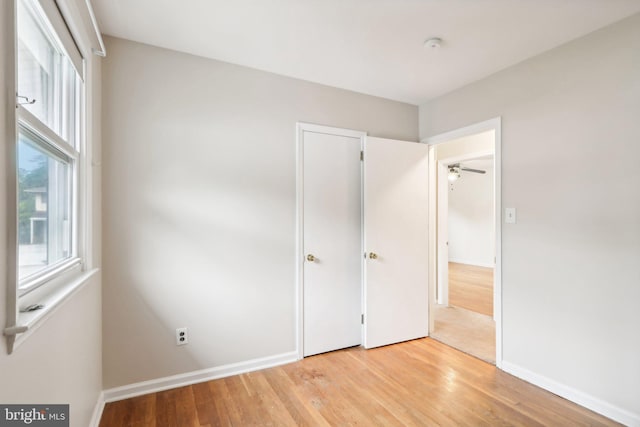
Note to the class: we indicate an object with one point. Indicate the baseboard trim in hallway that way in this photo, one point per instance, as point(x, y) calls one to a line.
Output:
point(166, 383)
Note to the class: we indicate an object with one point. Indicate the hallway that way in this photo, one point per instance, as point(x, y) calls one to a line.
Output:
point(467, 324)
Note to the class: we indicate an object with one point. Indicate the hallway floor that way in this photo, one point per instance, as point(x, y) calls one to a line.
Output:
point(467, 324)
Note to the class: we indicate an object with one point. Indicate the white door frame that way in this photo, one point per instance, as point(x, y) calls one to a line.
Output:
point(442, 235)
point(442, 194)
point(302, 127)
point(494, 124)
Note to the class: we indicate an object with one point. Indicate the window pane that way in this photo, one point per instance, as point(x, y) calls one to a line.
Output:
point(44, 210)
point(36, 65)
point(45, 75)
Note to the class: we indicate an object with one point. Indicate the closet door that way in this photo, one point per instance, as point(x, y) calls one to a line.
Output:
point(395, 241)
point(332, 242)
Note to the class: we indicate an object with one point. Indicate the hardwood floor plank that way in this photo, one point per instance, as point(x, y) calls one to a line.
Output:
point(108, 414)
point(312, 388)
point(205, 406)
point(293, 397)
point(338, 382)
point(276, 409)
point(426, 400)
point(467, 322)
point(388, 411)
point(186, 413)
point(471, 288)
point(236, 402)
point(165, 409)
point(416, 383)
point(226, 412)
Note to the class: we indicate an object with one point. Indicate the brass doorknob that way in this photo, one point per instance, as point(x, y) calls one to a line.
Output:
point(373, 255)
point(311, 258)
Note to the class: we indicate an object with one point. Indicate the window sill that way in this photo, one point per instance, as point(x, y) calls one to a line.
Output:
point(28, 322)
point(50, 275)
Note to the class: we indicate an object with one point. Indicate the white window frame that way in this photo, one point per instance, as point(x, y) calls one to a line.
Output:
point(58, 282)
point(31, 124)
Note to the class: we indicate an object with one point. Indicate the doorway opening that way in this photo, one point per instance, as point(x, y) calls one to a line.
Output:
point(465, 288)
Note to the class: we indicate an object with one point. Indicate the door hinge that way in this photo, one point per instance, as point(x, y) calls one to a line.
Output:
point(362, 319)
point(361, 155)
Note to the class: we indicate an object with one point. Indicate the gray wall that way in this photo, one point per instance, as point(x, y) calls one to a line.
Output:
point(199, 205)
point(571, 166)
point(61, 361)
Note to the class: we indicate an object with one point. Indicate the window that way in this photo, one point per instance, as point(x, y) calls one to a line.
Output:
point(49, 87)
point(44, 206)
point(50, 179)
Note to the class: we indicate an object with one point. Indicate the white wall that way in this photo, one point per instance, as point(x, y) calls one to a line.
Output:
point(470, 222)
point(61, 361)
point(467, 146)
point(570, 166)
point(199, 205)
point(471, 236)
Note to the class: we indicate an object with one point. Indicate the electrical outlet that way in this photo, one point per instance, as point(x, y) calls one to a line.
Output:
point(182, 337)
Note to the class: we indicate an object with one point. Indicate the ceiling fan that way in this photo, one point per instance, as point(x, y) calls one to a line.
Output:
point(455, 169)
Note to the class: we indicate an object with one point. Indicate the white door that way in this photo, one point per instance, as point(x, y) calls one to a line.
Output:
point(332, 242)
point(395, 241)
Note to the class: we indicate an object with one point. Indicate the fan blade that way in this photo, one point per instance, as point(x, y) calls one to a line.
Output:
point(472, 170)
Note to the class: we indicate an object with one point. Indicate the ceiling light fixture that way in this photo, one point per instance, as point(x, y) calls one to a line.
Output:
point(433, 43)
point(454, 173)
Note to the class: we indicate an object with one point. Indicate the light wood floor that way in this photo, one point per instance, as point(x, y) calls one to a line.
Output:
point(417, 383)
point(467, 323)
point(466, 330)
point(471, 287)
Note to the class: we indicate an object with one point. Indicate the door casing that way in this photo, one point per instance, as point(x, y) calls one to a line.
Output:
point(494, 124)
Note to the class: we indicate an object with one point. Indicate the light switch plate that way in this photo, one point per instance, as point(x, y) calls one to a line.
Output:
point(509, 215)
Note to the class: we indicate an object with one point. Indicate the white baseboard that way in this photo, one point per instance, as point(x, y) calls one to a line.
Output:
point(97, 411)
point(470, 262)
point(180, 380)
point(583, 399)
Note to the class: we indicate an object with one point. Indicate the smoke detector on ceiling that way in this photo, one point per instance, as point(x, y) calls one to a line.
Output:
point(433, 43)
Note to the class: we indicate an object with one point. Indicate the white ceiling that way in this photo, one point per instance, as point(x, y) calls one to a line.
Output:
point(369, 46)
